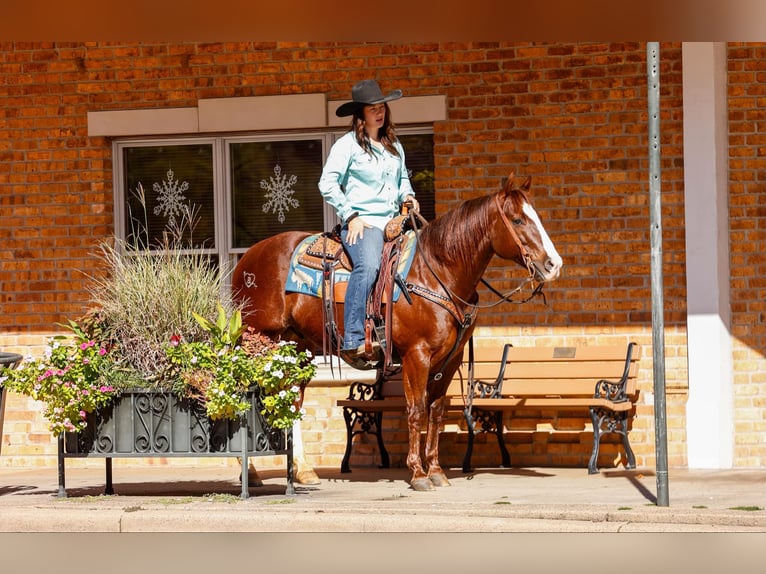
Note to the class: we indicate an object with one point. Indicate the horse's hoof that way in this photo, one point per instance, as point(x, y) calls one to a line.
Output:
point(307, 477)
point(439, 479)
point(422, 484)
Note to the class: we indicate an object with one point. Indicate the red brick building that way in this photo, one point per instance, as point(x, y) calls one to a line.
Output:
point(80, 122)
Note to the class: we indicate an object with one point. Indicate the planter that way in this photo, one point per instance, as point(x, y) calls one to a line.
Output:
point(145, 423)
point(7, 361)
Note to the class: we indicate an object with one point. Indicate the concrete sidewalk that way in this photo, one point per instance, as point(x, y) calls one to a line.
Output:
point(178, 499)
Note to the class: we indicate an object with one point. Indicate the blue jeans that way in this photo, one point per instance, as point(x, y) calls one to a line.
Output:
point(365, 257)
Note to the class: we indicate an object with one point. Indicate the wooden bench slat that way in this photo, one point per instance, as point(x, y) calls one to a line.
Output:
point(392, 404)
point(547, 354)
point(586, 370)
point(559, 387)
point(512, 403)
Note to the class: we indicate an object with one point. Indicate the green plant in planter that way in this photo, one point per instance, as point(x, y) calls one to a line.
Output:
point(72, 378)
point(219, 371)
point(281, 375)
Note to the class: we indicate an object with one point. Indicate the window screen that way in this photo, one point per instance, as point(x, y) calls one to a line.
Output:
point(419, 155)
point(177, 180)
point(274, 188)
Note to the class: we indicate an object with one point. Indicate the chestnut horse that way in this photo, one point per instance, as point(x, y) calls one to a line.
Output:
point(429, 330)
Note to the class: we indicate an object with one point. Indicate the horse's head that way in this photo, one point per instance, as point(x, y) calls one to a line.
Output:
point(518, 232)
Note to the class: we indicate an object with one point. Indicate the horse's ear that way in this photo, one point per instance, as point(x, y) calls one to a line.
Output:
point(509, 181)
point(527, 184)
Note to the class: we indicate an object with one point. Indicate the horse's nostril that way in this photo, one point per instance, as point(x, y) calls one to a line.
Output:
point(549, 264)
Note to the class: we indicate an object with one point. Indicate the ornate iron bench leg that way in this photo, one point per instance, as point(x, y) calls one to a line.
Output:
point(631, 458)
point(613, 422)
point(506, 458)
point(349, 417)
point(596, 420)
point(385, 462)
point(363, 422)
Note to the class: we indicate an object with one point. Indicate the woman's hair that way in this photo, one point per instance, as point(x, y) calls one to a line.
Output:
point(388, 130)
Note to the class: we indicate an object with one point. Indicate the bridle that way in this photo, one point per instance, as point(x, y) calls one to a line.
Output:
point(526, 257)
point(502, 297)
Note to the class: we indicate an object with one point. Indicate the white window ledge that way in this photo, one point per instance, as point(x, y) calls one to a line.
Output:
point(253, 113)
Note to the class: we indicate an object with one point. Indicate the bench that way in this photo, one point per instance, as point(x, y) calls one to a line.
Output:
point(499, 380)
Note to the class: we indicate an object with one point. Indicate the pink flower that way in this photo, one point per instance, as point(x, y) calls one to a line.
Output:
point(102, 351)
point(175, 340)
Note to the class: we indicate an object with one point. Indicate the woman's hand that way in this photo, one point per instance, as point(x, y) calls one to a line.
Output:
point(413, 202)
point(356, 230)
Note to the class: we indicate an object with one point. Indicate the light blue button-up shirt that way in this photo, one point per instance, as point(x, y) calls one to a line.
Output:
point(375, 185)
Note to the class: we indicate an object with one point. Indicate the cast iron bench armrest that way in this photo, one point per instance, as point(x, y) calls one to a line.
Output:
point(361, 391)
point(616, 391)
point(480, 388)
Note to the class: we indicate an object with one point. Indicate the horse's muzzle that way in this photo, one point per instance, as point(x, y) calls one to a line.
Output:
point(548, 271)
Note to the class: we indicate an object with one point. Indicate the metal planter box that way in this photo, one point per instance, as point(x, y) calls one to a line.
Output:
point(145, 423)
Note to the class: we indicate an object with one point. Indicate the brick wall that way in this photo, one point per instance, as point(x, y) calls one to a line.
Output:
point(747, 220)
point(573, 116)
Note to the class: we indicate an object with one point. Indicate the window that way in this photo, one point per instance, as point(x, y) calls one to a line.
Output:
point(274, 188)
point(238, 189)
point(159, 182)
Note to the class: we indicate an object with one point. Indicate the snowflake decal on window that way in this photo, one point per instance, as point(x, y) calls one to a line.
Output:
point(170, 197)
point(280, 193)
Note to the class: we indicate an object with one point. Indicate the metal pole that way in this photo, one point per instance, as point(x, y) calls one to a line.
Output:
point(658, 322)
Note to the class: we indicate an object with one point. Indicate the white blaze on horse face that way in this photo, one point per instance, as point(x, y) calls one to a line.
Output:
point(550, 249)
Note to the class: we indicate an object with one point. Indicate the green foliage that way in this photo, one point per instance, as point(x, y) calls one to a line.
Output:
point(149, 296)
point(282, 374)
point(72, 378)
point(226, 330)
point(219, 371)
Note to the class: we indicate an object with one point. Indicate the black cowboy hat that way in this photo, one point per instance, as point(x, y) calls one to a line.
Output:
point(366, 93)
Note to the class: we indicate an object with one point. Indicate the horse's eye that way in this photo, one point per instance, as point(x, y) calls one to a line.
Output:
point(518, 221)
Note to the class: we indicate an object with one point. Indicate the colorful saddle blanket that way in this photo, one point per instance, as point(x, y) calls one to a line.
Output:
point(306, 280)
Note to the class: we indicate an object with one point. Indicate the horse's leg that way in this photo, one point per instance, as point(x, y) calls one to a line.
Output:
point(304, 473)
point(435, 415)
point(415, 378)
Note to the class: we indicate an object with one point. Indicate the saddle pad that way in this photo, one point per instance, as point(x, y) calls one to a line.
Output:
point(303, 279)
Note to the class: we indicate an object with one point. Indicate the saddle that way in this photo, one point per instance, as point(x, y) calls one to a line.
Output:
point(326, 249)
point(326, 253)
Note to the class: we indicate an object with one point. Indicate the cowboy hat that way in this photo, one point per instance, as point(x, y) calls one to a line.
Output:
point(366, 93)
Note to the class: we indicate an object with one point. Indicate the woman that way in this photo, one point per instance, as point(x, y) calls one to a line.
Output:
point(365, 179)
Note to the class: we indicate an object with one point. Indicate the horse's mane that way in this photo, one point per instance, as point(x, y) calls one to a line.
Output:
point(456, 236)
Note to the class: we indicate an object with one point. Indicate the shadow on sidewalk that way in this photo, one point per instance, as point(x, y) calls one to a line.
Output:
point(634, 477)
